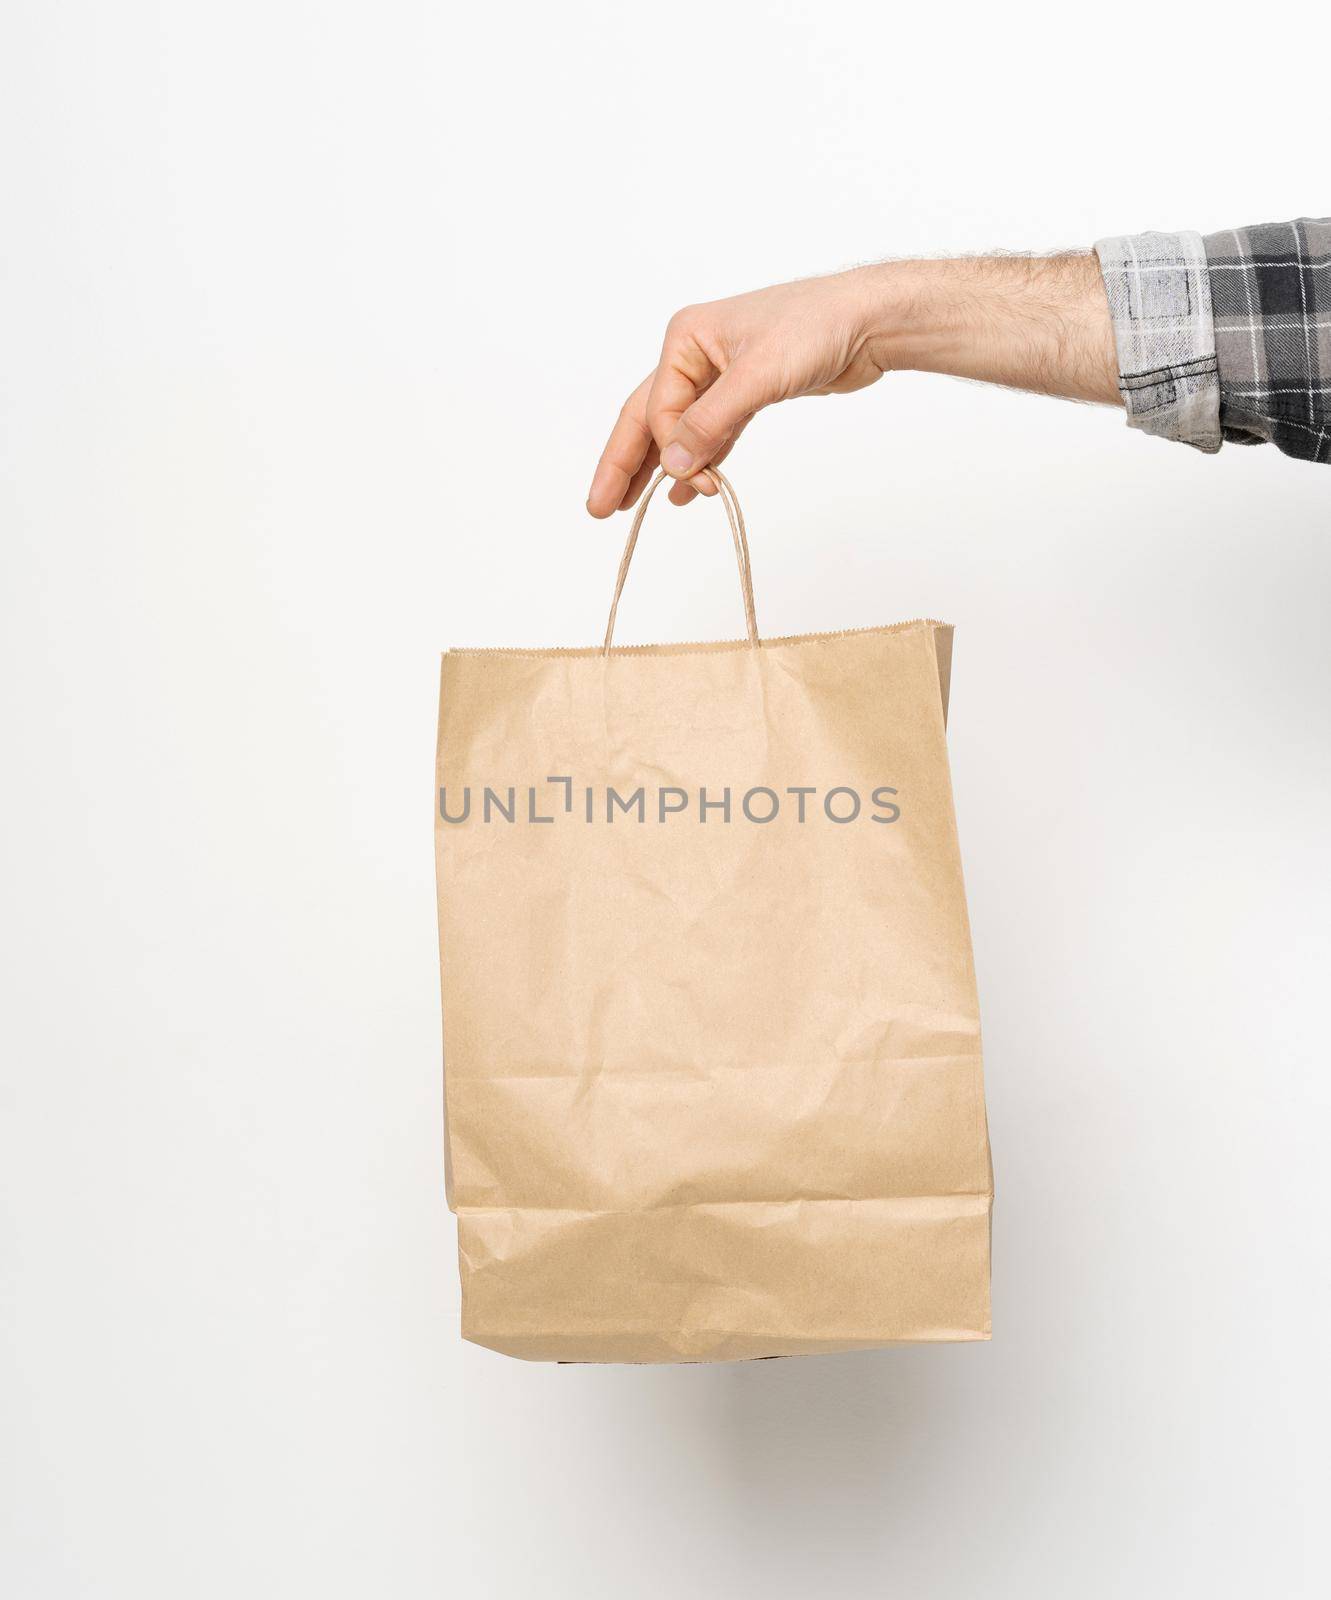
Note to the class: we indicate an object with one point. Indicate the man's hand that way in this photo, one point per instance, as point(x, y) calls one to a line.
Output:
point(1038, 323)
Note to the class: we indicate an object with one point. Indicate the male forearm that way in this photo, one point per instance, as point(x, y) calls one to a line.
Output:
point(1027, 322)
point(1039, 323)
point(1131, 325)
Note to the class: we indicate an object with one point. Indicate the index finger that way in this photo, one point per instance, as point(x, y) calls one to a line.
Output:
point(684, 373)
point(629, 456)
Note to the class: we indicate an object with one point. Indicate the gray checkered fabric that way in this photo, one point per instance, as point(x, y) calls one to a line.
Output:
point(1227, 337)
point(1271, 306)
point(1160, 302)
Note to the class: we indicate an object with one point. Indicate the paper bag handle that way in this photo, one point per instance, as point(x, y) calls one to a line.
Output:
point(736, 519)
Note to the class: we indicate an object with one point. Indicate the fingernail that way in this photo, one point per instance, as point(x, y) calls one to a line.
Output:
point(676, 460)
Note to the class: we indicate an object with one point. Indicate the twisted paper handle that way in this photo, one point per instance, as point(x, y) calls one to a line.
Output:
point(736, 519)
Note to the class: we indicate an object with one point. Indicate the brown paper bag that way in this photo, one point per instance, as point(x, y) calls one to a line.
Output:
point(712, 1048)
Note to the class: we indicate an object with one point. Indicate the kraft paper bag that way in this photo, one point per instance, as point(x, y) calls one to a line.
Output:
point(711, 1041)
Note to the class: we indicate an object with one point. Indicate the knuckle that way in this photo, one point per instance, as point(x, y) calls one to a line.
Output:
point(703, 424)
point(631, 415)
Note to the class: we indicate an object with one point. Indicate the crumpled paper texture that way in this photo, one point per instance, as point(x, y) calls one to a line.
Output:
point(713, 1090)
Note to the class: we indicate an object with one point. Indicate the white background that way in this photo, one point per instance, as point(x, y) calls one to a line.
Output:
point(312, 320)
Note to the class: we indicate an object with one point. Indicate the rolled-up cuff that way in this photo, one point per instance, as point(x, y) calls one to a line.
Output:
point(1159, 296)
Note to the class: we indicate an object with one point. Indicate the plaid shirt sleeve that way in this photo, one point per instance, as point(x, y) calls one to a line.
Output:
point(1227, 337)
point(1271, 306)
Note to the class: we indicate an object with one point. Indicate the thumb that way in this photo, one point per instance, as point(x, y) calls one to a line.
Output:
point(702, 432)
